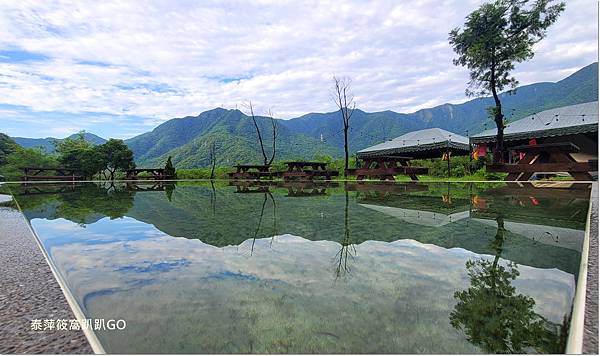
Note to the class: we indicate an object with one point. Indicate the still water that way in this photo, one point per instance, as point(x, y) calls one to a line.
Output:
point(317, 268)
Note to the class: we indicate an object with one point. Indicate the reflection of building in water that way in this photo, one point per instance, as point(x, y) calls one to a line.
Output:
point(419, 217)
point(549, 235)
point(415, 208)
point(552, 214)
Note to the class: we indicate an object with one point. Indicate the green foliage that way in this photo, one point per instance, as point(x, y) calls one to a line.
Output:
point(77, 152)
point(169, 169)
point(460, 166)
point(22, 157)
point(7, 146)
point(116, 156)
point(495, 317)
point(202, 173)
point(496, 36)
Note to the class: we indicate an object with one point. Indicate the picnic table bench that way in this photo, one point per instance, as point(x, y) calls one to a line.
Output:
point(307, 170)
point(251, 171)
point(62, 174)
point(157, 173)
point(307, 188)
point(546, 158)
point(385, 168)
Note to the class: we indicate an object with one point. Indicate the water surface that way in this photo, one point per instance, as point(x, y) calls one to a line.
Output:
point(326, 268)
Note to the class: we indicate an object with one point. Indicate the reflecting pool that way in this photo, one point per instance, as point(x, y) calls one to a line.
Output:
point(218, 267)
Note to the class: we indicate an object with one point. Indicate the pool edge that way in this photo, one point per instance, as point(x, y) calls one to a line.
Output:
point(70, 299)
point(576, 338)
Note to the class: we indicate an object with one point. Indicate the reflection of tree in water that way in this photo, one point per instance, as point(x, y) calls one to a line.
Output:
point(113, 201)
point(347, 249)
point(260, 219)
point(496, 318)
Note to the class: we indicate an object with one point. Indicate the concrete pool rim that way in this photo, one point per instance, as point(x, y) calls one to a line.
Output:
point(79, 315)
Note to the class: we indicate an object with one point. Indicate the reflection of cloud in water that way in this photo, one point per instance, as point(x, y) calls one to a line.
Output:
point(283, 297)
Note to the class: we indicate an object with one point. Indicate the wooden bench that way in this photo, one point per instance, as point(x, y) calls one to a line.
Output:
point(157, 173)
point(307, 170)
point(546, 158)
point(62, 174)
point(251, 171)
point(51, 178)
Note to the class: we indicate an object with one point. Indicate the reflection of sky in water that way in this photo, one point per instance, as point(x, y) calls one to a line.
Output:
point(277, 294)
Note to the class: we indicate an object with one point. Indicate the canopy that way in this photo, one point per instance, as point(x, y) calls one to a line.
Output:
point(428, 143)
point(562, 121)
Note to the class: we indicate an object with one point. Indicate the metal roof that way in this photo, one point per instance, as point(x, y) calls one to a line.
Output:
point(421, 140)
point(566, 120)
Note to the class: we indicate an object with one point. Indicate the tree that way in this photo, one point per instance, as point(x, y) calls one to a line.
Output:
point(266, 161)
point(213, 158)
point(80, 154)
point(345, 103)
point(495, 37)
point(169, 169)
point(116, 156)
point(7, 146)
point(22, 157)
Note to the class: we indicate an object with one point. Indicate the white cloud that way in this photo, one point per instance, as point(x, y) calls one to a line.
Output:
point(165, 59)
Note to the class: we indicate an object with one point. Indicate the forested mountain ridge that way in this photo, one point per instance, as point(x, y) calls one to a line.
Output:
point(47, 144)
point(188, 140)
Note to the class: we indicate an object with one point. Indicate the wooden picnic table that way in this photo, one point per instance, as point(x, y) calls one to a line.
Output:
point(157, 173)
point(386, 167)
point(546, 158)
point(251, 171)
point(307, 170)
point(62, 174)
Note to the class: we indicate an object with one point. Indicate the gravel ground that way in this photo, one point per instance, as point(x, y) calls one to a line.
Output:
point(29, 291)
point(590, 336)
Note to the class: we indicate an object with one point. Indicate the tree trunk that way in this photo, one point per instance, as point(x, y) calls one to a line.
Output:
point(345, 148)
point(498, 119)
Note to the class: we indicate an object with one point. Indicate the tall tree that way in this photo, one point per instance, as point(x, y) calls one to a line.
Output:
point(344, 100)
point(495, 37)
point(117, 156)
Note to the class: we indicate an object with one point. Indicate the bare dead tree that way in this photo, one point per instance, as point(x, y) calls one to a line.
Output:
point(266, 161)
point(260, 140)
point(274, 127)
point(344, 100)
point(213, 158)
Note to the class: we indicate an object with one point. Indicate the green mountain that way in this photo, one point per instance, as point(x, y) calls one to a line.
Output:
point(47, 144)
point(188, 139)
point(465, 119)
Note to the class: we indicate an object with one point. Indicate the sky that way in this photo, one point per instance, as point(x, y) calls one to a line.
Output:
point(120, 68)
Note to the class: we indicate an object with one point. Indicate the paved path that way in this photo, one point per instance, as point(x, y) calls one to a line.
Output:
point(30, 291)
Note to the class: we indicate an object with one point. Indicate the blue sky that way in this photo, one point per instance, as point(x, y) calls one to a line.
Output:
point(119, 68)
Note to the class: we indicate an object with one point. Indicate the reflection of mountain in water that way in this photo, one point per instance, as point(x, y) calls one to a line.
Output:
point(221, 217)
